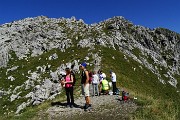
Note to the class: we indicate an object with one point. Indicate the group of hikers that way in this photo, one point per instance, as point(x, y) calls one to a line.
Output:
point(96, 79)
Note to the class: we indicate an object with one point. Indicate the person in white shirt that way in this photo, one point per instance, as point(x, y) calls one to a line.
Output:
point(113, 79)
point(102, 76)
point(95, 82)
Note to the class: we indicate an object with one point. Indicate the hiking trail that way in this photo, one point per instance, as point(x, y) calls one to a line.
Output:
point(103, 107)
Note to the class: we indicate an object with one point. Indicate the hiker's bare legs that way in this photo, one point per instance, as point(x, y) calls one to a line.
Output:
point(87, 100)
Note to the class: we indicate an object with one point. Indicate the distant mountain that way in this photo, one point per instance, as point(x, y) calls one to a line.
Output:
point(35, 51)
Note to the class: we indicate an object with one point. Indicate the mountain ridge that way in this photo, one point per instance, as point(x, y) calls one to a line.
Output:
point(34, 50)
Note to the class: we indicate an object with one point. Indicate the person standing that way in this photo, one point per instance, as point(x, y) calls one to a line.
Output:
point(68, 81)
point(102, 75)
point(113, 79)
point(85, 82)
point(82, 84)
point(95, 82)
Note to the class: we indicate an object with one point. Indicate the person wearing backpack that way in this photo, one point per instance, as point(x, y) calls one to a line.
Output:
point(85, 82)
point(68, 81)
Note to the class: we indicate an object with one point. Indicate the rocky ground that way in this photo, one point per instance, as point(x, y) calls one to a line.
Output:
point(103, 107)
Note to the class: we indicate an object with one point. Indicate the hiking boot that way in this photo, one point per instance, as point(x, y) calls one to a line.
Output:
point(68, 106)
point(71, 106)
point(87, 106)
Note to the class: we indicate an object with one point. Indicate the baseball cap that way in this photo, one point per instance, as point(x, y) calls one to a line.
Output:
point(83, 64)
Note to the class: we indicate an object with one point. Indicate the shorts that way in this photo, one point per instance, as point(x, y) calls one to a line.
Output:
point(86, 90)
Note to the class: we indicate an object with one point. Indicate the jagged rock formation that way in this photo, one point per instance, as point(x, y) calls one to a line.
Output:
point(157, 50)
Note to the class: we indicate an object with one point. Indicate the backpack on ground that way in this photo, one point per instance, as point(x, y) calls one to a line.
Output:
point(125, 96)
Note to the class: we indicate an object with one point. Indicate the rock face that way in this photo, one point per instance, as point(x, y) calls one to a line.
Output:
point(157, 50)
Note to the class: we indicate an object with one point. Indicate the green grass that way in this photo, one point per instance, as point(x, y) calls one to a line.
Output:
point(155, 100)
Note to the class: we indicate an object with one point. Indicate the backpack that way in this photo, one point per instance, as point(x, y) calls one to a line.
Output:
point(90, 76)
point(84, 76)
point(74, 78)
point(125, 96)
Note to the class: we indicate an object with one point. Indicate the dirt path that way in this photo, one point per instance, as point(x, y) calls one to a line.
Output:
point(106, 107)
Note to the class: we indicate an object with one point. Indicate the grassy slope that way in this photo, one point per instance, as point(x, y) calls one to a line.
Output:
point(155, 100)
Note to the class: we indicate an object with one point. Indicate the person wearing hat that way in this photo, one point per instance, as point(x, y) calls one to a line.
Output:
point(85, 82)
point(113, 79)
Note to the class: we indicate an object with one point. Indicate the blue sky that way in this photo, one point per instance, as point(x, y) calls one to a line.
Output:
point(148, 13)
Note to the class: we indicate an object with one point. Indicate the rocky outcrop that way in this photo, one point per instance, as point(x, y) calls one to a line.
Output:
point(49, 88)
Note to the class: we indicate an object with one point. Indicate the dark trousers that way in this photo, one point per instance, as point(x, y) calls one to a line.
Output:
point(114, 87)
point(69, 94)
